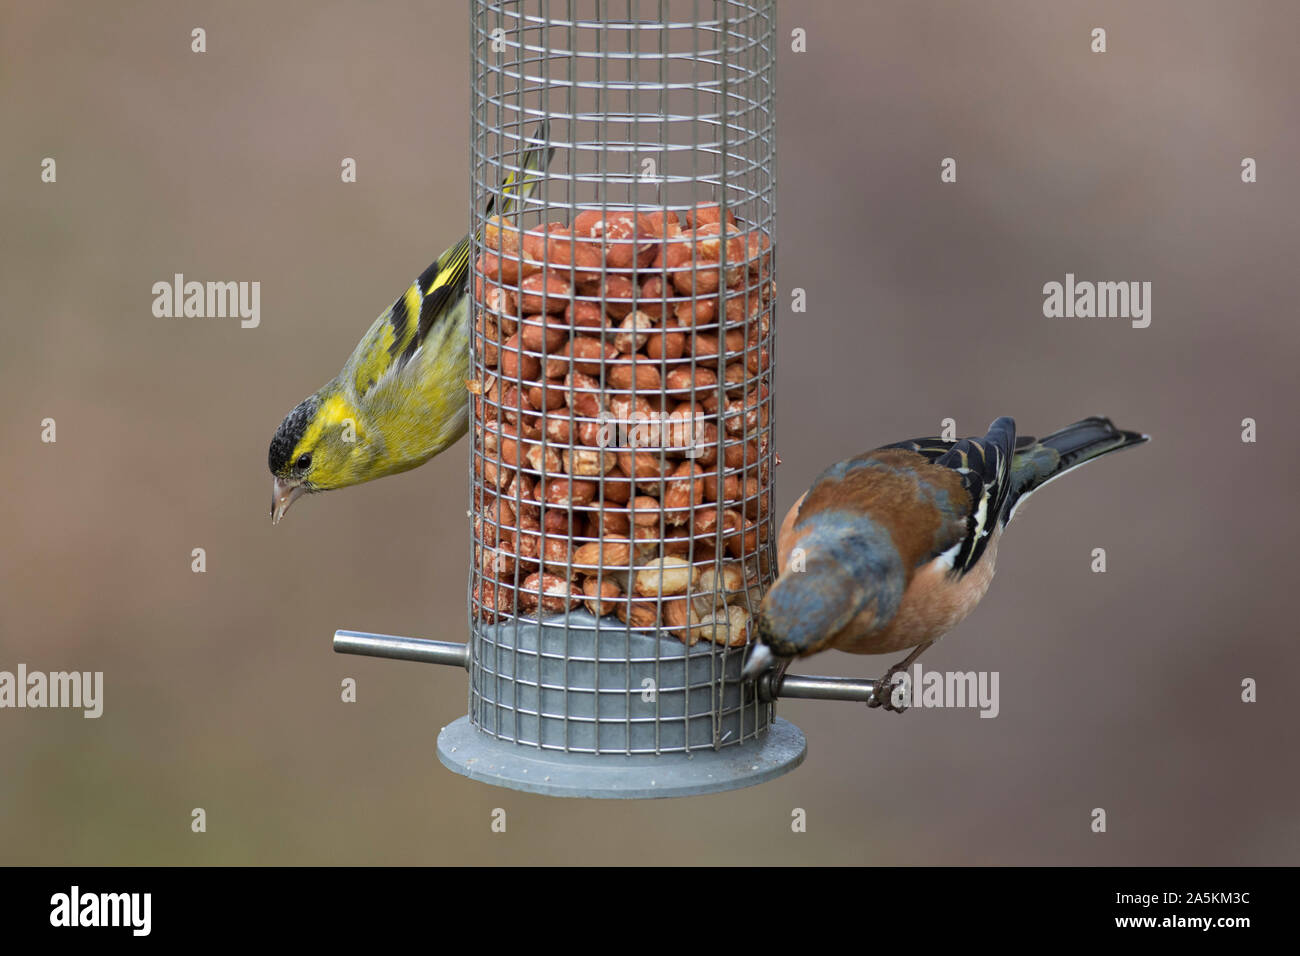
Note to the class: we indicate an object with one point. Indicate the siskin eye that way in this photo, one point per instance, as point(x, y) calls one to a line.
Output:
point(304, 461)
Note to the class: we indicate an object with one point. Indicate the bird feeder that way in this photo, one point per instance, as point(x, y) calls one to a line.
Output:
point(622, 296)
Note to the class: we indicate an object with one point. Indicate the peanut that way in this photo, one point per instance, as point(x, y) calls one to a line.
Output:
point(569, 492)
point(716, 585)
point(759, 252)
point(584, 395)
point(572, 259)
point(611, 520)
point(626, 237)
point(589, 461)
point(524, 498)
point(700, 310)
point(493, 474)
point(645, 511)
point(665, 576)
point(517, 364)
point(729, 626)
point(549, 293)
point(544, 459)
point(549, 591)
point(585, 353)
point(637, 614)
point(653, 298)
point(742, 544)
point(489, 339)
point(540, 335)
point(633, 335)
point(641, 465)
point(567, 524)
point(705, 213)
point(738, 454)
point(684, 383)
point(617, 486)
point(665, 343)
point(685, 489)
point(747, 416)
point(547, 396)
point(616, 294)
point(608, 553)
point(498, 301)
point(681, 619)
point(492, 601)
point(601, 598)
point(641, 375)
point(496, 562)
point(501, 235)
point(581, 313)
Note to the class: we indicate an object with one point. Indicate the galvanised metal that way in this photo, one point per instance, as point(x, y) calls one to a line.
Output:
point(652, 107)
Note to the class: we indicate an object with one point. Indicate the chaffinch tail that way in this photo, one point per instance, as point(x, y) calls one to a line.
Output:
point(893, 548)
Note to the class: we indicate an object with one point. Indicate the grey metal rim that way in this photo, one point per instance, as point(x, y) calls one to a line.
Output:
point(479, 756)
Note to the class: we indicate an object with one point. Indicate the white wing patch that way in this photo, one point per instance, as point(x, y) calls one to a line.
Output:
point(981, 517)
point(947, 558)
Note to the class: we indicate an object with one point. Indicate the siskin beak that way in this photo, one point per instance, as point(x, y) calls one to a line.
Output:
point(283, 494)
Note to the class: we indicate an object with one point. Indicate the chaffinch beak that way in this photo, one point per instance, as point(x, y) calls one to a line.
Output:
point(760, 659)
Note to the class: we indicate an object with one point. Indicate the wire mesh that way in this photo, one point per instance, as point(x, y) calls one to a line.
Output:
point(623, 185)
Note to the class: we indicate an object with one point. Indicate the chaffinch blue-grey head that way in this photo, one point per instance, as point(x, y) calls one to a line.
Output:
point(891, 549)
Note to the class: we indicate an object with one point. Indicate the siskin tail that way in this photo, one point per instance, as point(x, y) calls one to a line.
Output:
point(536, 160)
point(1039, 461)
point(442, 288)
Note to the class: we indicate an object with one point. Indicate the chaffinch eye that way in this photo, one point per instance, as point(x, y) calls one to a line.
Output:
point(304, 461)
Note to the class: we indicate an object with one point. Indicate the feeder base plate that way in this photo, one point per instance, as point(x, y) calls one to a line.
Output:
point(482, 757)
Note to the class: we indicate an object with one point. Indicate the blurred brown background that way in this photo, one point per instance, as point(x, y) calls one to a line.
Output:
point(1118, 690)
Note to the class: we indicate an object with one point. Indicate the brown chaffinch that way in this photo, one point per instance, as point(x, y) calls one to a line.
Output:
point(893, 548)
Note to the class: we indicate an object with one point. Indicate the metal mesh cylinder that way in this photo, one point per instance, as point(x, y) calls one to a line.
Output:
point(623, 188)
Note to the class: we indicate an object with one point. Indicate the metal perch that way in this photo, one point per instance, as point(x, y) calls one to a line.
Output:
point(426, 651)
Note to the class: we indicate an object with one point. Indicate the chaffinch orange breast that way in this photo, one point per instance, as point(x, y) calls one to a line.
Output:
point(893, 548)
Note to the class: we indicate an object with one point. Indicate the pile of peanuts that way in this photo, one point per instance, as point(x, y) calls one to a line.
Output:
point(621, 420)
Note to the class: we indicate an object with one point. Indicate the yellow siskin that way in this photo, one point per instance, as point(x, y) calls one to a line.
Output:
point(400, 398)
